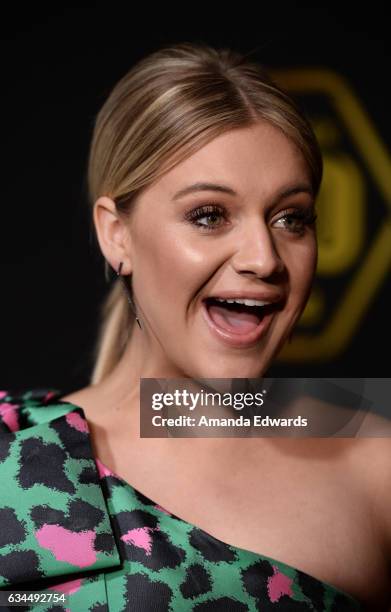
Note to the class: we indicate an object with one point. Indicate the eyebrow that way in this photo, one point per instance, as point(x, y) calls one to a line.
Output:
point(202, 186)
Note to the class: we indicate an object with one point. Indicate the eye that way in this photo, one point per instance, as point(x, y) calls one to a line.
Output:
point(208, 217)
point(297, 220)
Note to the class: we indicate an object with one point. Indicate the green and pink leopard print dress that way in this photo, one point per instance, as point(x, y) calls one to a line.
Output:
point(69, 524)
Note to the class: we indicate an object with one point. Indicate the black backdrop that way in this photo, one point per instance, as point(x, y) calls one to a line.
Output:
point(57, 67)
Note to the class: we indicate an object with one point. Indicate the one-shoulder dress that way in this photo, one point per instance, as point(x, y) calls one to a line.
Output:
point(70, 525)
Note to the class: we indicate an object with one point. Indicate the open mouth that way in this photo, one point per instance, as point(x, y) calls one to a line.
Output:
point(238, 324)
point(234, 317)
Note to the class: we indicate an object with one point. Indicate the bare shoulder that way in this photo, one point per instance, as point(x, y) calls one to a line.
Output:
point(373, 454)
point(372, 465)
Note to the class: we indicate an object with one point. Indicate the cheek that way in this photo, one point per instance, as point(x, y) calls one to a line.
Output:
point(301, 269)
point(172, 262)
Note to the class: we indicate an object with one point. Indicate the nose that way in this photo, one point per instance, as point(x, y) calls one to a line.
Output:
point(256, 253)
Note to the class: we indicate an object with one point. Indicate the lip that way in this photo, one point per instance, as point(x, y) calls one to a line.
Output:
point(250, 295)
point(238, 340)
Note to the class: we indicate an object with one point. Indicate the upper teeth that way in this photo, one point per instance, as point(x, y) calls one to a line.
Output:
point(246, 302)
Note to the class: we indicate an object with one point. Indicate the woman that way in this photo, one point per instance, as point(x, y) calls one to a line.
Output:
point(203, 177)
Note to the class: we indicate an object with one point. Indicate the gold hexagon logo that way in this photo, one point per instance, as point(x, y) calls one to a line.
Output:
point(348, 254)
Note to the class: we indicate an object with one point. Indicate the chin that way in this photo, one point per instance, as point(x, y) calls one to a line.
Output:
point(240, 367)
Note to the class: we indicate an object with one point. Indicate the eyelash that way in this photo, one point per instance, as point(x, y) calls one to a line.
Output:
point(308, 217)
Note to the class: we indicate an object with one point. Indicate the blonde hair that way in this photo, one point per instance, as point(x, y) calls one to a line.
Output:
point(169, 105)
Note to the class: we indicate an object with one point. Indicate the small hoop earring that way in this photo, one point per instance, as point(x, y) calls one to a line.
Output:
point(128, 293)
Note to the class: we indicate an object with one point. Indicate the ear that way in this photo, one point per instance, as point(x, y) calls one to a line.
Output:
point(112, 234)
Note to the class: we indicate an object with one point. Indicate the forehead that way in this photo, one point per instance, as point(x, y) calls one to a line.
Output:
point(258, 159)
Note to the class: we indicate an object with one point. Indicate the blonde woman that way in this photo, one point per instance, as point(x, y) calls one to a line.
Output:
point(203, 177)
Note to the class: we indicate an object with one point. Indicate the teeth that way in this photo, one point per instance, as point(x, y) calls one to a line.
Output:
point(245, 302)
